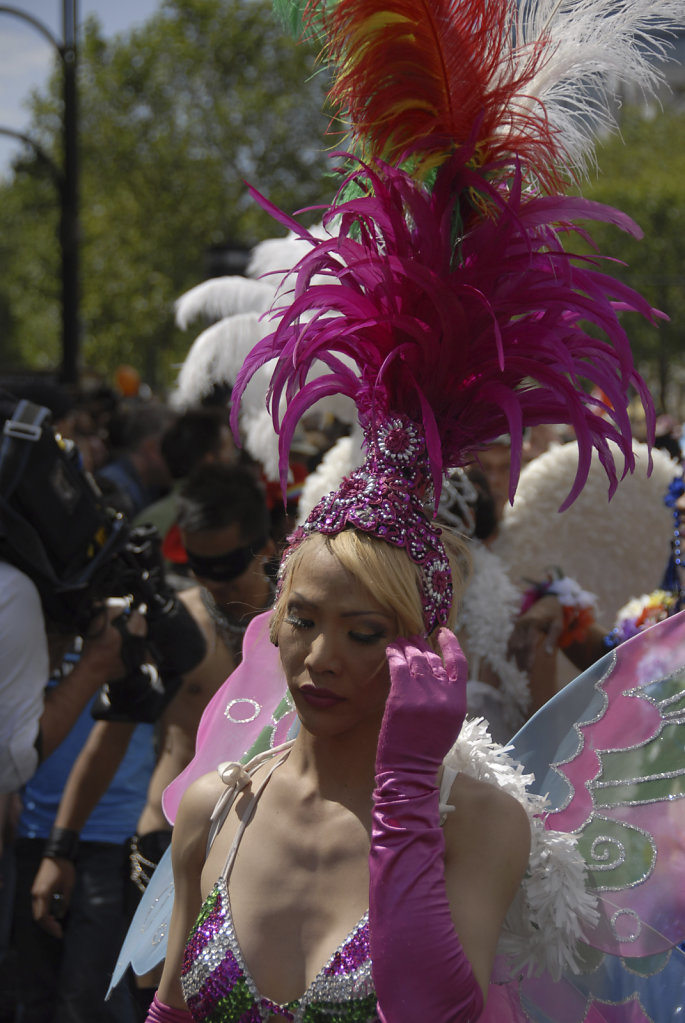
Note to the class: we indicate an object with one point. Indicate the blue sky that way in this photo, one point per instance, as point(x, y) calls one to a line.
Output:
point(26, 56)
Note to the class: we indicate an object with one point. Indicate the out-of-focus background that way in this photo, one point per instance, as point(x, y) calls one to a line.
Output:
point(123, 168)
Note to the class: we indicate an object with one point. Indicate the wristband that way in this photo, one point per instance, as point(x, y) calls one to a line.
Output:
point(61, 844)
point(160, 1012)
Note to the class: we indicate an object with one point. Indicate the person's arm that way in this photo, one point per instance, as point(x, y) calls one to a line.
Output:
point(88, 781)
point(539, 626)
point(24, 671)
point(431, 949)
point(188, 849)
point(534, 642)
point(562, 614)
point(420, 968)
point(99, 662)
point(582, 653)
point(487, 840)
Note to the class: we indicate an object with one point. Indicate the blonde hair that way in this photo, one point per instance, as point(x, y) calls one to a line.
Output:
point(386, 571)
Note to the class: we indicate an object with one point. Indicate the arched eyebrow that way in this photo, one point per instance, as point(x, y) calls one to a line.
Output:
point(298, 600)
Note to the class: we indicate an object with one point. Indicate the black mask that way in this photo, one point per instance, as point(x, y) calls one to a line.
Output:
point(224, 567)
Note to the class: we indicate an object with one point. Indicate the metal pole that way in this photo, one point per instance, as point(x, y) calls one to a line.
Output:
point(69, 224)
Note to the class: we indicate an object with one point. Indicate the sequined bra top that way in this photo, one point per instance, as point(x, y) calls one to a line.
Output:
point(216, 982)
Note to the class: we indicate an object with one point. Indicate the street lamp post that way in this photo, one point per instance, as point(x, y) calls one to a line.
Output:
point(65, 177)
point(69, 226)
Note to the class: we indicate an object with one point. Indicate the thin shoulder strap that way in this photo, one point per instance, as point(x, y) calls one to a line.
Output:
point(247, 813)
point(236, 776)
point(446, 783)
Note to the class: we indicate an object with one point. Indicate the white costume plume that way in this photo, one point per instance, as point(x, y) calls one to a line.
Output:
point(236, 309)
point(598, 47)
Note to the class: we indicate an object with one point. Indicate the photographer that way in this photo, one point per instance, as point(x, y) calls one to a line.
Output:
point(33, 723)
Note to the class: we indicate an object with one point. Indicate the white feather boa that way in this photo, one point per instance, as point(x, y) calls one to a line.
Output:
point(553, 906)
point(489, 607)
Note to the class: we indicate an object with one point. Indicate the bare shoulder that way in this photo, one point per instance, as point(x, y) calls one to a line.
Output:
point(487, 823)
point(191, 828)
point(200, 798)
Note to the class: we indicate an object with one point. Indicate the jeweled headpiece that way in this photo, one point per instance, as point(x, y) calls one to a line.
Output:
point(385, 497)
point(445, 296)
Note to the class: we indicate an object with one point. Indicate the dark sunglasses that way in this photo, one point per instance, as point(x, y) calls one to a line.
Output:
point(224, 567)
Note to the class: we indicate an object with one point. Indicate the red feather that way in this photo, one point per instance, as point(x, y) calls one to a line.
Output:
point(421, 77)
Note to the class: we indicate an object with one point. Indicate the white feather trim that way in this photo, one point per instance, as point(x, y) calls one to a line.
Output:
point(553, 906)
point(489, 606)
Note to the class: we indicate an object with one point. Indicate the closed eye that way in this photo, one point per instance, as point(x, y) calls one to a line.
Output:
point(367, 637)
point(297, 622)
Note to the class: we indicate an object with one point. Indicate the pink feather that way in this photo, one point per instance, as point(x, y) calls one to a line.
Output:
point(471, 340)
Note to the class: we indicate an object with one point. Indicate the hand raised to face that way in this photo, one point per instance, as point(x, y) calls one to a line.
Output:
point(427, 702)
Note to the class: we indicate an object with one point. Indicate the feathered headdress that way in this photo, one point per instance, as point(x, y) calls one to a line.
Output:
point(453, 296)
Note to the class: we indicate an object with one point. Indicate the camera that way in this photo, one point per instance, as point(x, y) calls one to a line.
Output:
point(56, 527)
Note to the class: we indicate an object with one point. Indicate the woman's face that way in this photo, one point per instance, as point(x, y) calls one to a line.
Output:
point(332, 645)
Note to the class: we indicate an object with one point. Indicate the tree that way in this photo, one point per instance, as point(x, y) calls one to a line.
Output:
point(643, 174)
point(173, 118)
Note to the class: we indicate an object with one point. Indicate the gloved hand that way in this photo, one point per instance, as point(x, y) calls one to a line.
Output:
point(419, 967)
point(426, 706)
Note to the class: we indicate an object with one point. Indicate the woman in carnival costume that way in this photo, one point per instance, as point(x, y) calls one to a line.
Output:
point(372, 869)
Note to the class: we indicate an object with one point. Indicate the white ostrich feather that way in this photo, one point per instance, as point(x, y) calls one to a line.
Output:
point(553, 907)
point(260, 439)
point(216, 355)
point(595, 47)
point(615, 549)
point(275, 255)
point(240, 306)
point(222, 296)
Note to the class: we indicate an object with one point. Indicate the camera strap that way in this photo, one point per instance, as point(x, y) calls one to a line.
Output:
point(18, 434)
point(19, 542)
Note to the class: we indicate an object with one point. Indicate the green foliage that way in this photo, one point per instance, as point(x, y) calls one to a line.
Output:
point(643, 174)
point(173, 118)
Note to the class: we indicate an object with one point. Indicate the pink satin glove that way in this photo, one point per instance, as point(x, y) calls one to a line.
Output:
point(419, 967)
point(426, 706)
point(161, 1013)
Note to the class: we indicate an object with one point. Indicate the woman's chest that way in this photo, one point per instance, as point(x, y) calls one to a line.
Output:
point(218, 982)
point(296, 892)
